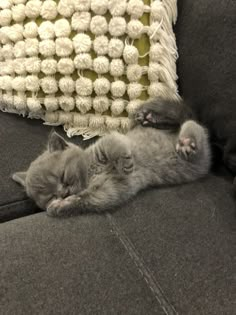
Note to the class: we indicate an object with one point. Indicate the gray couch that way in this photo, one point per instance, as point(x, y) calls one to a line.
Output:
point(168, 251)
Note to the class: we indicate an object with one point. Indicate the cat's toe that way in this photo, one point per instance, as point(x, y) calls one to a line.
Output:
point(125, 165)
point(52, 208)
point(186, 147)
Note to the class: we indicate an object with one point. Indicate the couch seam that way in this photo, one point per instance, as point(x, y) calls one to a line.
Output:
point(155, 287)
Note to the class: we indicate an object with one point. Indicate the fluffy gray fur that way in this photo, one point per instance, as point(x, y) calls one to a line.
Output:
point(67, 180)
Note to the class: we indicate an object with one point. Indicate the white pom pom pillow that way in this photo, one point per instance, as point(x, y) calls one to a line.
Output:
point(86, 64)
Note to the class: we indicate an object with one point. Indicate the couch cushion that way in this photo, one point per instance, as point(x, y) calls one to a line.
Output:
point(206, 32)
point(74, 266)
point(168, 251)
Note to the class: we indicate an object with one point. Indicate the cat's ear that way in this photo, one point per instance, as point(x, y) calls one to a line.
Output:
point(19, 177)
point(56, 142)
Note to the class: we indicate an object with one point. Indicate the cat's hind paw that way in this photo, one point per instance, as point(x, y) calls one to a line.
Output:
point(186, 147)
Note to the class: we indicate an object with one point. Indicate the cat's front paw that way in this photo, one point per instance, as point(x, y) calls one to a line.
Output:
point(186, 147)
point(61, 207)
point(125, 164)
point(146, 117)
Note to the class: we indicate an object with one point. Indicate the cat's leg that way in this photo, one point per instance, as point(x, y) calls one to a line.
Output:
point(192, 142)
point(115, 148)
point(104, 193)
point(163, 114)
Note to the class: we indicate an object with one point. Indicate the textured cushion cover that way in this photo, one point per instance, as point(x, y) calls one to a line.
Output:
point(86, 64)
point(167, 251)
point(206, 32)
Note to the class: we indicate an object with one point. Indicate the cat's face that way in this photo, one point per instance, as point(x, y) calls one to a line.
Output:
point(59, 172)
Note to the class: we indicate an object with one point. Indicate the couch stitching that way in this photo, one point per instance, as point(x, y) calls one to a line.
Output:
point(156, 289)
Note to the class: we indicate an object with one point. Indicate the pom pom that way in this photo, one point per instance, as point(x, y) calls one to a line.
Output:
point(51, 103)
point(154, 31)
point(156, 10)
point(66, 85)
point(18, 13)
point(134, 90)
point(84, 86)
point(132, 107)
point(112, 123)
point(65, 66)
point(117, 67)
point(67, 103)
point(7, 51)
point(31, 46)
point(82, 5)
point(34, 105)
point(117, 7)
point(5, 17)
point(3, 35)
point(98, 25)
point(100, 45)
point(20, 101)
point(47, 48)
point(100, 104)
point(19, 49)
point(18, 84)
point(49, 66)
point(116, 47)
point(99, 6)
point(153, 71)
point(135, 29)
point(33, 8)
point(5, 4)
point(32, 65)
point(101, 65)
point(117, 107)
point(118, 88)
point(117, 26)
point(49, 85)
point(159, 89)
point(156, 52)
point(30, 30)
point(6, 83)
point(19, 66)
point(49, 10)
point(83, 61)
point(83, 103)
point(66, 8)
point(130, 54)
point(7, 67)
point(15, 33)
point(46, 30)
point(95, 121)
point(80, 21)
point(62, 28)
point(18, 1)
point(32, 83)
point(82, 43)
point(64, 47)
point(101, 86)
point(135, 8)
point(134, 72)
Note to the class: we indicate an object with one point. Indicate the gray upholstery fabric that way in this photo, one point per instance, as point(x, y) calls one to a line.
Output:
point(206, 32)
point(169, 249)
point(73, 266)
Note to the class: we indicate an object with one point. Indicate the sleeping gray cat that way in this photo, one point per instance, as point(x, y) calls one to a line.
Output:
point(66, 179)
